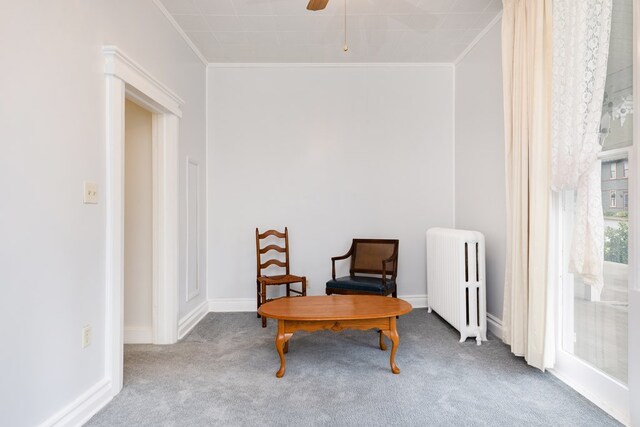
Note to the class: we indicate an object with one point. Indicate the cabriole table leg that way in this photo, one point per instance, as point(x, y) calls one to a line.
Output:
point(395, 341)
point(280, 342)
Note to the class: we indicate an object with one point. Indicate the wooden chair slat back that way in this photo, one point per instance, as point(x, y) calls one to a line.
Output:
point(272, 248)
point(273, 262)
point(275, 233)
point(272, 259)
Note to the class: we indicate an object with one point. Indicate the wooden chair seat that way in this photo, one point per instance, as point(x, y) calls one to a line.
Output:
point(282, 279)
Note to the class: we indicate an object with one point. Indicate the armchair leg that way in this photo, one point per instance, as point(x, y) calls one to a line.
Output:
point(395, 295)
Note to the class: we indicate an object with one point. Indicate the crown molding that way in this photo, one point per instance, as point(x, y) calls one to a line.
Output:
point(180, 31)
point(479, 37)
point(327, 64)
point(119, 65)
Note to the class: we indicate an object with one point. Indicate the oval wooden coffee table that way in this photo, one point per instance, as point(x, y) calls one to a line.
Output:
point(336, 313)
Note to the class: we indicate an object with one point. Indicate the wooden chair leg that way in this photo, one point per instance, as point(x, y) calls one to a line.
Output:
point(288, 289)
point(264, 299)
point(257, 298)
point(304, 286)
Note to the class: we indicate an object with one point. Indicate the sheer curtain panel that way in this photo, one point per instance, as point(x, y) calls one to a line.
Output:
point(580, 53)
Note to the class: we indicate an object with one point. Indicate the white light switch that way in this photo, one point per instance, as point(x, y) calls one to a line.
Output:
point(90, 192)
point(86, 336)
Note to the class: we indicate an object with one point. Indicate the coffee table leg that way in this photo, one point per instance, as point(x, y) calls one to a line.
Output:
point(392, 334)
point(383, 346)
point(395, 341)
point(280, 342)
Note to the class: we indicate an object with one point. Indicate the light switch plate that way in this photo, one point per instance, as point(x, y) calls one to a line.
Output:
point(90, 192)
point(86, 336)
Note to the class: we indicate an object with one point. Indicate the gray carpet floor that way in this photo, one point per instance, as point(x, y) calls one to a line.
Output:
point(223, 373)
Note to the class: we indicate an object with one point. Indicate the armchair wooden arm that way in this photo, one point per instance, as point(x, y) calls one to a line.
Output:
point(393, 258)
point(338, 258)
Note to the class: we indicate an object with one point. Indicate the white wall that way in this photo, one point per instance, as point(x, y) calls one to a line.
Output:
point(479, 159)
point(52, 131)
point(138, 233)
point(333, 153)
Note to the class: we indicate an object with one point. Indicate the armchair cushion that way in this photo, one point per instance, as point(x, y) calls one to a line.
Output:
point(361, 284)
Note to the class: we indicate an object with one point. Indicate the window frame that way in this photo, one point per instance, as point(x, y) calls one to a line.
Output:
point(625, 168)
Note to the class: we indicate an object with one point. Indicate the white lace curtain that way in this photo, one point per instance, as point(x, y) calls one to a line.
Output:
point(580, 51)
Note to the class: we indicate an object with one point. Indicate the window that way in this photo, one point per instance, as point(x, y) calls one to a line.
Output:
point(625, 200)
point(612, 197)
point(625, 171)
point(612, 170)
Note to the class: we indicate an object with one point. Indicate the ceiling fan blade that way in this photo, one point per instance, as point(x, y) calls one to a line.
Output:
point(317, 4)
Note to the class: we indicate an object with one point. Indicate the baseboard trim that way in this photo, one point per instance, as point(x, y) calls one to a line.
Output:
point(494, 325)
point(83, 407)
point(416, 301)
point(188, 322)
point(137, 335)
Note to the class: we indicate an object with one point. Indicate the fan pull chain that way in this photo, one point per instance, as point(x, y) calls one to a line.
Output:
point(346, 47)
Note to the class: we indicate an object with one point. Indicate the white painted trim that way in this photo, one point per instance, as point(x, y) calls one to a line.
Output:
point(83, 407)
point(165, 233)
point(634, 234)
point(119, 65)
point(180, 31)
point(479, 37)
point(188, 322)
point(416, 301)
point(326, 64)
point(609, 394)
point(494, 325)
point(207, 176)
point(453, 143)
point(124, 76)
point(198, 255)
point(114, 191)
point(138, 335)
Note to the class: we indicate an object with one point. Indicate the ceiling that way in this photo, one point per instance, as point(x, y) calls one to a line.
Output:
point(283, 31)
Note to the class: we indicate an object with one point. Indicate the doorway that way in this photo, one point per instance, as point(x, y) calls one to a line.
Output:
point(126, 79)
point(138, 225)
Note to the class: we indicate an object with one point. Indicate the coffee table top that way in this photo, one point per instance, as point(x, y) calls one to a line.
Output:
point(334, 307)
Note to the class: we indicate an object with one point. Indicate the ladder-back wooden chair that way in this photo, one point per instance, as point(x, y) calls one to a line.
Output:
point(273, 256)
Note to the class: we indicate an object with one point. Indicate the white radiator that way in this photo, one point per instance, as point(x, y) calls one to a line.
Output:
point(456, 280)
